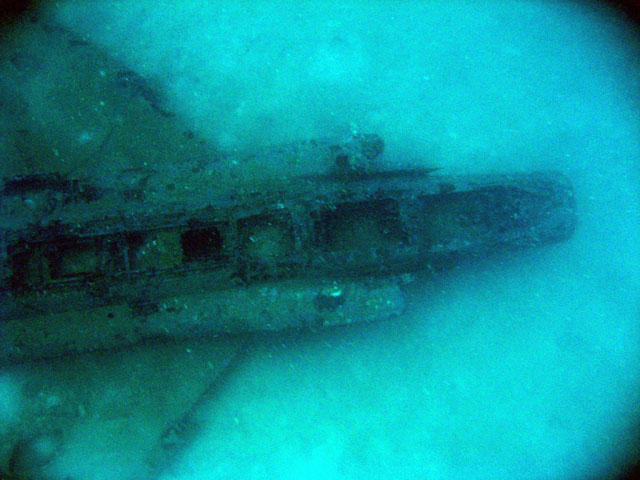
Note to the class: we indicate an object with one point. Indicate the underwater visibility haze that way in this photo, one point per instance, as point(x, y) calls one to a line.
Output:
point(523, 365)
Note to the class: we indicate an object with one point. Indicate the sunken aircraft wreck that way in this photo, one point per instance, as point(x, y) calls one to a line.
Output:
point(152, 253)
point(130, 238)
point(119, 224)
